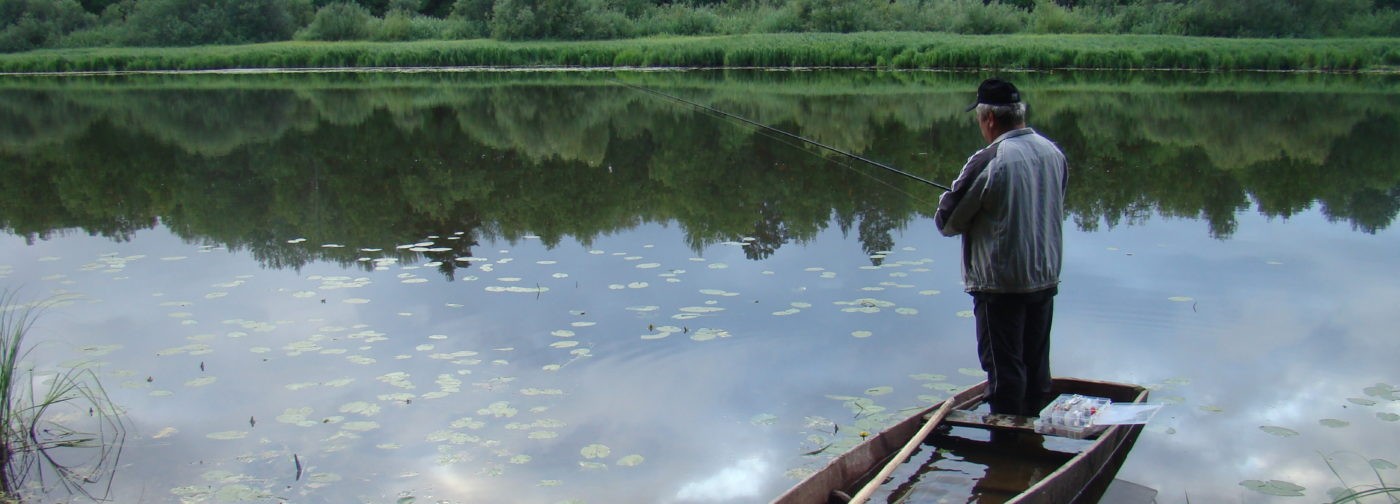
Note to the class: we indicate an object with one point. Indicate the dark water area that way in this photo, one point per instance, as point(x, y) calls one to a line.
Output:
point(523, 287)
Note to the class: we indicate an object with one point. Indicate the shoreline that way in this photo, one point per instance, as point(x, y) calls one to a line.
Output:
point(578, 69)
point(868, 50)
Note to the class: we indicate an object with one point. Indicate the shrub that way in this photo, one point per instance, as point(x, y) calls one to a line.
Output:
point(972, 16)
point(1382, 23)
point(1160, 19)
point(838, 16)
point(99, 36)
point(34, 24)
point(1050, 17)
point(681, 20)
point(339, 21)
point(396, 25)
point(777, 20)
point(472, 18)
point(195, 22)
point(557, 20)
point(600, 22)
point(978, 18)
point(402, 6)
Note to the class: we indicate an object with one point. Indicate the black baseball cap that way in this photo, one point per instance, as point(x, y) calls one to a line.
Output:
point(996, 92)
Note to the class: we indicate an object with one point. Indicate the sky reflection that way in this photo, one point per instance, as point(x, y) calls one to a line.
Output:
point(1285, 322)
point(649, 355)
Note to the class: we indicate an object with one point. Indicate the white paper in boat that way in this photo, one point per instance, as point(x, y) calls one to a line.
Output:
point(1126, 413)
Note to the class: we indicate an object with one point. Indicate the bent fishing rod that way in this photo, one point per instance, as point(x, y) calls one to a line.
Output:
point(793, 136)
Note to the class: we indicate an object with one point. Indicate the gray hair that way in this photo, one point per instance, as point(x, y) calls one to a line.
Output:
point(1012, 114)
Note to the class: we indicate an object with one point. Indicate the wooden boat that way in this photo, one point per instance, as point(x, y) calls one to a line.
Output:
point(1079, 478)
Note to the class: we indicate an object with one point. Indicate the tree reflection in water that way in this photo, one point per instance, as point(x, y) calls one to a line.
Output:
point(364, 159)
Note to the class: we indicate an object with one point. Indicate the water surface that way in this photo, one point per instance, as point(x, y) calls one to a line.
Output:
point(535, 287)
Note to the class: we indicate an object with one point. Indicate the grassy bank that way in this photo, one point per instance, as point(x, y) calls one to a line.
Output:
point(872, 49)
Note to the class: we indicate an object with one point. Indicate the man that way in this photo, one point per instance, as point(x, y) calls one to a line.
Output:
point(1008, 205)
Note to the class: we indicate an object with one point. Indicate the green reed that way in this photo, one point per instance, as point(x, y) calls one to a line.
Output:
point(905, 50)
point(30, 435)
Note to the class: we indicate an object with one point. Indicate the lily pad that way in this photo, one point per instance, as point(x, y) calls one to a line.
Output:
point(360, 407)
point(1278, 431)
point(1274, 487)
point(238, 493)
point(701, 309)
point(201, 381)
point(500, 409)
point(227, 435)
point(764, 419)
point(1384, 391)
point(595, 451)
point(360, 426)
point(630, 461)
point(1387, 416)
point(1333, 423)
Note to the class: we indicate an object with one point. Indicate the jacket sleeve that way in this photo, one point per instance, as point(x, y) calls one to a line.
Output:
point(956, 208)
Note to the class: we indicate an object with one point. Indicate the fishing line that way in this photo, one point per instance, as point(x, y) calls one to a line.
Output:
point(863, 173)
point(786, 134)
point(842, 164)
point(763, 132)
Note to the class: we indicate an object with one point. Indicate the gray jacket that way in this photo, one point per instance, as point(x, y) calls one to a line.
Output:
point(1008, 203)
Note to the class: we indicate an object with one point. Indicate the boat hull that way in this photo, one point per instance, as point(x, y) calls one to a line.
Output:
point(1082, 478)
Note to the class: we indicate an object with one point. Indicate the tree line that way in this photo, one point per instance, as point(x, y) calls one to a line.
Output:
point(337, 162)
point(39, 24)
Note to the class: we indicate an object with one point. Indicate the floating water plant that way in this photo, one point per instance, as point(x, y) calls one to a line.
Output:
point(594, 451)
point(33, 434)
point(1274, 487)
point(1278, 431)
point(630, 461)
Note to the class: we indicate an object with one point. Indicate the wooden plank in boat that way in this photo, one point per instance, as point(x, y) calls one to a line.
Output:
point(990, 420)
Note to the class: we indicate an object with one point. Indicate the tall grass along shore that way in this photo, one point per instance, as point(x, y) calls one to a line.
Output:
point(904, 50)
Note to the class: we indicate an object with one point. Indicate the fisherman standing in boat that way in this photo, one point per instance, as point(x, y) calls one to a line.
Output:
point(1008, 205)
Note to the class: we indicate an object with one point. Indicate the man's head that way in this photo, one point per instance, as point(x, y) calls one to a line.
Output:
point(999, 108)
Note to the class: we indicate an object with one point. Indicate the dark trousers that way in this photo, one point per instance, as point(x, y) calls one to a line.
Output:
point(1013, 343)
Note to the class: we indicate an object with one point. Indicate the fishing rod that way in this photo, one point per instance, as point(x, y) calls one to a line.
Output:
point(793, 136)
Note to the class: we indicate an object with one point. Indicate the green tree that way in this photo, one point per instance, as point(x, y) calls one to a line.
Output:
point(34, 24)
point(375, 7)
point(97, 6)
point(195, 22)
point(837, 16)
point(339, 21)
point(473, 16)
point(538, 19)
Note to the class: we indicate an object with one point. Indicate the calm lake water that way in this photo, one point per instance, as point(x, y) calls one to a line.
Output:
point(529, 287)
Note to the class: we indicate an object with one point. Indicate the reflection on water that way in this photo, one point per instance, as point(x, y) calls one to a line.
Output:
point(968, 462)
point(544, 287)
